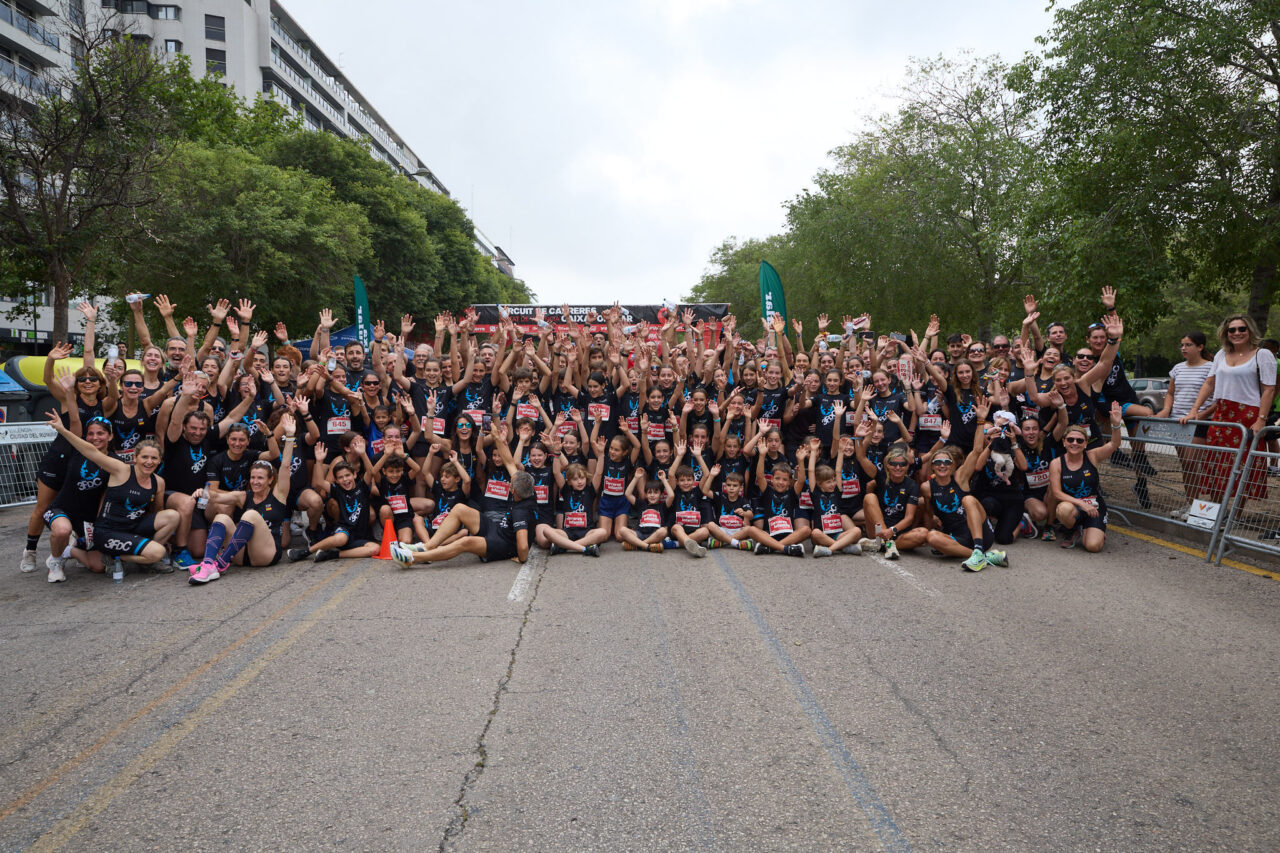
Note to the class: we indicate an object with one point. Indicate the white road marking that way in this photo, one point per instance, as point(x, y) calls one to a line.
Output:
point(520, 588)
point(911, 579)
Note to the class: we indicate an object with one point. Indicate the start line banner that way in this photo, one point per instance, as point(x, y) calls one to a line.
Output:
point(488, 315)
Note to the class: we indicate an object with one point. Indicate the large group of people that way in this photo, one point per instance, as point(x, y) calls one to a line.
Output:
point(683, 434)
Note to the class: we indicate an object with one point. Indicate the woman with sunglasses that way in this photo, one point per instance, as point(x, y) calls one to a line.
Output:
point(893, 509)
point(963, 529)
point(1075, 486)
point(1243, 382)
point(1074, 387)
point(135, 417)
point(70, 517)
point(92, 397)
point(255, 539)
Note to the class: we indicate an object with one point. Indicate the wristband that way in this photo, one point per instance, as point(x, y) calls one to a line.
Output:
point(1113, 341)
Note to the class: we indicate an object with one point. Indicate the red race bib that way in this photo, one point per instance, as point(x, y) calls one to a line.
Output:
point(831, 523)
point(689, 518)
point(657, 432)
point(850, 488)
point(527, 411)
point(650, 518)
point(732, 521)
point(543, 493)
point(499, 489)
point(575, 519)
point(780, 525)
point(398, 503)
point(614, 486)
point(598, 411)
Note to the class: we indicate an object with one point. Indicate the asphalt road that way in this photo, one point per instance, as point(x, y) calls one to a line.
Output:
point(1118, 702)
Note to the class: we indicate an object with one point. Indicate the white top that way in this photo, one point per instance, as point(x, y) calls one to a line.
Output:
point(1242, 384)
point(1187, 381)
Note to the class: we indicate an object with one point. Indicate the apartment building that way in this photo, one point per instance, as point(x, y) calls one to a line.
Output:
point(255, 44)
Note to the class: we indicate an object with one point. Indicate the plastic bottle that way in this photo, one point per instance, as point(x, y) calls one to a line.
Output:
point(113, 352)
point(333, 363)
point(137, 297)
point(117, 571)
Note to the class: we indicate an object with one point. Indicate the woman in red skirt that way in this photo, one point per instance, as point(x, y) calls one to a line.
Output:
point(1243, 380)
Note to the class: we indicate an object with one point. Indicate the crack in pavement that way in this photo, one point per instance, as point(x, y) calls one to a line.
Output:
point(458, 823)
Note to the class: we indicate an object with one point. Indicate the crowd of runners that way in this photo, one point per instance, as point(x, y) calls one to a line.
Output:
point(218, 451)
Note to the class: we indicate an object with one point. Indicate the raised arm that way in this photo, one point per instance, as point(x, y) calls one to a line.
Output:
point(117, 467)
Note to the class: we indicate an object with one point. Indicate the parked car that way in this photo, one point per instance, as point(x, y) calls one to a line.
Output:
point(1150, 391)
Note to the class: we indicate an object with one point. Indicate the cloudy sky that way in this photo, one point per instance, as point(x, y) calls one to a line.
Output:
point(608, 147)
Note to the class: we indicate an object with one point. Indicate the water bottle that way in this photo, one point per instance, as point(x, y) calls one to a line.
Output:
point(333, 363)
point(117, 571)
point(113, 352)
point(203, 500)
point(136, 297)
point(502, 311)
point(628, 330)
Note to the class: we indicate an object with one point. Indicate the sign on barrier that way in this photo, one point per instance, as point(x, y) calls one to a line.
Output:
point(21, 448)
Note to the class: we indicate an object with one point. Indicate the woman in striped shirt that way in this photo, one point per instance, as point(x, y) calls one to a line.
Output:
point(1185, 381)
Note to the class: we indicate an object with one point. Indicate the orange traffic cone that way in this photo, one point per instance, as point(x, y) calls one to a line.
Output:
point(388, 536)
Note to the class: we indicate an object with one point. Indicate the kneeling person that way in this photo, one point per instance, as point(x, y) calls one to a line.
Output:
point(491, 536)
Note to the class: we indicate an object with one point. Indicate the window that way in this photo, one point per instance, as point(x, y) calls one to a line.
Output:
point(215, 61)
point(165, 13)
point(172, 46)
point(215, 28)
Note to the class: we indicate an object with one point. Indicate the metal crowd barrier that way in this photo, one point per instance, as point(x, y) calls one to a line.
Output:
point(1254, 520)
point(1160, 473)
point(21, 447)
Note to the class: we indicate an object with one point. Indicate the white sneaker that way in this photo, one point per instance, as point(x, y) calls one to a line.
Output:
point(855, 549)
point(694, 548)
point(869, 545)
point(821, 551)
point(28, 563)
point(54, 565)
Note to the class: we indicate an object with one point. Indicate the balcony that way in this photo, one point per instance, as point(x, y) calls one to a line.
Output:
point(303, 82)
point(26, 78)
point(30, 27)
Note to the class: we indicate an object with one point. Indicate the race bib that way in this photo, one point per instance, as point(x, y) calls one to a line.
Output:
point(650, 518)
point(88, 535)
point(598, 411)
point(732, 521)
point(850, 488)
point(126, 455)
point(806, 500)
point(1036, 479)
point(398, 503)
point(767, 424)
point(657, 432)
point(633, 423)
point(337, 426)
point(831, 523)
point(688, 518)
point(932, 422)
point(1091, 502)
point(439, 519)
point(476, 415)
point(543, 493)
point(528, 411)
point(499, 489)
point(780, 525)
point(435, 426)
point(566, 428)
point(575, 519)
point(614, 486)
point(377, 444)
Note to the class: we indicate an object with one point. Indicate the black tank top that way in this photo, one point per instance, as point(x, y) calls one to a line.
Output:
point(125, 505)
point(273, 512)
point(948, 504)
point(1082, 482)
point(129, 430)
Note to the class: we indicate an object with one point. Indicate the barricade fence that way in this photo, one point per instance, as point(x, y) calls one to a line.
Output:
point(1253, 522)
point(1160, 472)
point(21, 448)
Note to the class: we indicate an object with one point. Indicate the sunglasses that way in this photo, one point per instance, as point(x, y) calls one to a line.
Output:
point(978, 349)
point(464, 425)
point(131, 383)
point(896, 464)
point(942, 462)
point(1093, 326)
point(1076, 440)
point(999, 346)
point(87, 379)
point(1237, 330)
point(219, 349)
point(1087, 355)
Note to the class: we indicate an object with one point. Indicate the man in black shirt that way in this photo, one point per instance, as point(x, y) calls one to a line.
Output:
point(494, 535)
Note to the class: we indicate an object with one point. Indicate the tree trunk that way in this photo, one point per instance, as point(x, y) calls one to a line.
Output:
point(61, 282)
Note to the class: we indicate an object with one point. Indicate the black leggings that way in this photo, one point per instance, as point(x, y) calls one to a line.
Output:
point(1005, 512)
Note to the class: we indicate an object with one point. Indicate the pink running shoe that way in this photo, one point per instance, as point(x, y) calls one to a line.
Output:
point(205, 572)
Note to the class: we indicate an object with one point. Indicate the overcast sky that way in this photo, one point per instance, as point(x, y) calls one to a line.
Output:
point(608, 147)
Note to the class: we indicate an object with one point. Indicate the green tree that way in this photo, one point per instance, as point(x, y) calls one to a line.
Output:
point(229, 225)
point(1162, 134)
point(77, 165)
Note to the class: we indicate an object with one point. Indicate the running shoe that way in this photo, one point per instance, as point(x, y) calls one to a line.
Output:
point(28, 563)
point(794, 550)
point(854, 550)
point(325, 555)
point(670, 544)
point(744, 544)
point(761, 548)
point(591, 551)
point(1048, 534)
point(714, 543)
point(415, 547)
point(1070, 539)
point(184, 559)
point(821, 551)
point(694, 548)
point(401, 554)
point(296, 554)
point(1028, 527)
point(997, 558)
point(976, 562)
point(54, 565)
point(656, 548)
point(870, 545)
point(207, 571)
point(555, 549)
point(890, 550)
point(627, 546)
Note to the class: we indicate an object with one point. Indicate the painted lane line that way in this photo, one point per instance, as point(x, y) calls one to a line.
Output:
point(70, 826)
point(912, 580)
point(855, 779)
point(520, 588)
point(1186, 549)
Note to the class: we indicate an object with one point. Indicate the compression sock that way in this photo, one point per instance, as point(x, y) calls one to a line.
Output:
point(33, 542)
point(241, 537)
point(217, 532)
